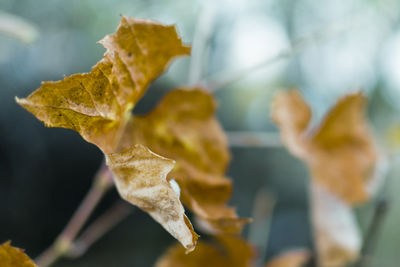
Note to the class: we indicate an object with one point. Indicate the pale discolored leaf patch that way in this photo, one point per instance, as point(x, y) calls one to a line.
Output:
point(183, 127)
point(97, 104)
point(140, 177)
point(340, 152)
point(336, 233)
point(14, 257)
point(291, 258)
point(224, 251)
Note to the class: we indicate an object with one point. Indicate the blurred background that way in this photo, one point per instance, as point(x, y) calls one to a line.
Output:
point(244, 50)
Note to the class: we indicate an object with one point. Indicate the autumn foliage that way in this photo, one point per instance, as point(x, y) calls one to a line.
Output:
point(181, 142)
point(14, 257)
point(342, 156)
point(340, 152)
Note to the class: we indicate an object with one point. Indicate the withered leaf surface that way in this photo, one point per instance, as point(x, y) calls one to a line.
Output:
point(291, 258)
point(183, 127)
point(141, 179)
point(340, 152)
point(14, 257)
point(96, 104)
point(225, 251)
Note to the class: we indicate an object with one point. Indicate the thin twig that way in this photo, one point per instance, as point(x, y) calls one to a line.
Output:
point(263, 206)
point(203, 32)
point(18, 27)
point(372, 234)
point(223, 79)
point(254, 139)
point(101, 184)
point(114, 215)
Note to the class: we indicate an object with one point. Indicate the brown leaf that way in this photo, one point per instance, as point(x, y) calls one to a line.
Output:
point(340, 152)
point(14, 257)
point(97, 104)
point(292, 114)
point(336, 233)
point(342, 157)
point(183, 127)
point(291, 258)
point(225, 251)
point(140, 177)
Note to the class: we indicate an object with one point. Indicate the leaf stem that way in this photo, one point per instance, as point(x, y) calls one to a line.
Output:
point(254, 139)
point(373, 233)
point(101, 184)
point(201, 40)
point(119, 211)
point(259, 229)
point(220, 80)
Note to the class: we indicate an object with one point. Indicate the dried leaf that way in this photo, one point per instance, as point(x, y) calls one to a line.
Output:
point(81, 102)
point(14, 257)
point(292, 114)
point(140, 177)
point(291, 258)
point(96, 104)
point(226, 251)
point(343, 160)
point(183, 127)
point(340, 152)
point(336, 233)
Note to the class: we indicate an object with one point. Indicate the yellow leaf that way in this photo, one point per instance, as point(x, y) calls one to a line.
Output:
point(97, 104)
point(81, 102)
point(291, 258)
point(340, 152)
point(225, 251)
point(14, 257)
point(183, 127)
point(140, 177)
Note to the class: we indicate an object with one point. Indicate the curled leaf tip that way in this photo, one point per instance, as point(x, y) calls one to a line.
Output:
point(140, 177)
point(183, 127)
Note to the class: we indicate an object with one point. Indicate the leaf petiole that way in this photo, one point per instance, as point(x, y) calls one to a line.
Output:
point(102, 183)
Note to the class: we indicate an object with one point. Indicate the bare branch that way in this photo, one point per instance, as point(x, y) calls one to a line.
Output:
point(373, 233)
point(254, 139)
point(102, 182)
point(114, 215)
